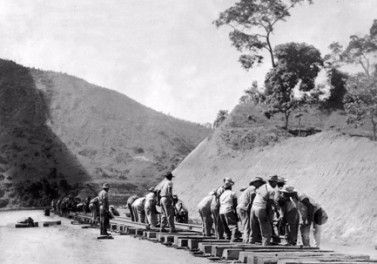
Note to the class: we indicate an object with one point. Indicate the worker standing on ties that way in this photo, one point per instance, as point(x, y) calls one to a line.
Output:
point(228, 215)
point(262, 211)
point(215, 210)
point(311, 213)
point(138, 208)
point(289, 216)
point(244, 203)
point(166, 203)
point(130, 201)
point(104, 213)
point(150, 208)
point(204, 208)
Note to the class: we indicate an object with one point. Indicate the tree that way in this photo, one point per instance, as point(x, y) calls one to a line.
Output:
point(297, 66)
point(221, 116)
point(338, 90)
point(253, 23)
point(360, 102)
point(253, 95)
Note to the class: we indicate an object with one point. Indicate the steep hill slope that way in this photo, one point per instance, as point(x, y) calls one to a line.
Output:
point(58, 126)
point(336, 169)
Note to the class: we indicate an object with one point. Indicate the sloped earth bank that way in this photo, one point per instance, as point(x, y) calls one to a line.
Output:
point(70, 244)
point(336, 170)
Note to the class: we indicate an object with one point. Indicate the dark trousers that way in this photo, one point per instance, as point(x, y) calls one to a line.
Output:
point(230, 225)
point(104, 221)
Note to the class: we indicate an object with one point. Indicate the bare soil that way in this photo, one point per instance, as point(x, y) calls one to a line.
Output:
point(70, 244)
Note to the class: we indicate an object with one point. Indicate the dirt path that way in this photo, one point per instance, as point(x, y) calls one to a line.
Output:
point(68, 243)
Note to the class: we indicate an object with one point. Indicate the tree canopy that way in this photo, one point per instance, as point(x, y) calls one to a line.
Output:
point(360, 102)
point(252, 23)
point(297, 66)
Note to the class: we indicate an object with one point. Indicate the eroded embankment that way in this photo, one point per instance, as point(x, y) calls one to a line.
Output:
point(336, 170)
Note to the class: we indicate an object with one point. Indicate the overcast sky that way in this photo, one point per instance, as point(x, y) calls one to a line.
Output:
point(165, 54)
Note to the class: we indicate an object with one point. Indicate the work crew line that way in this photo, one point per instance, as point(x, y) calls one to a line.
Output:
point(230, 252)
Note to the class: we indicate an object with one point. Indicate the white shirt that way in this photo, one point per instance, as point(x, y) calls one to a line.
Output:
point(227, 199)
point(263, 194)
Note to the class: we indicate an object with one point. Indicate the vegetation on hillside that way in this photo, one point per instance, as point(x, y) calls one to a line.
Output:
point(360, 103)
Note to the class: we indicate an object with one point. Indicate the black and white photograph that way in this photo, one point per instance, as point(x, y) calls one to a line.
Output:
point(187, 131)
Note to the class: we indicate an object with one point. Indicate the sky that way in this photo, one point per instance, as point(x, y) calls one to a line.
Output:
point(165, 54)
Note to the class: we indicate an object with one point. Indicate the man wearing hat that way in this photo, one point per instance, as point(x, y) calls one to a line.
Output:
point(104, 213)
point(228, 215)
point(166, 202)
point(244, 202)
point(311, 213)
point(262, 213)
point(289, 214)
point(150, 208)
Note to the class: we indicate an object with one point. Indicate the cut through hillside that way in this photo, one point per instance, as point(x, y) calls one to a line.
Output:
point(333, 167)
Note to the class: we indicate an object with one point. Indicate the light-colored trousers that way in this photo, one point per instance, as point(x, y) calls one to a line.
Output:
point(167, 216)
point(244, 217)
point(305, 234)
point(260, 220)
point(207, 221)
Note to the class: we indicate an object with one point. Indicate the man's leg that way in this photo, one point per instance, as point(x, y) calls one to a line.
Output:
point(265, 225)
point(305, 231)
point(317, 230)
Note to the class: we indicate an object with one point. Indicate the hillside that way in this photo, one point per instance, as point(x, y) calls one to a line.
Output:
point(333, 167)
point(59, 127)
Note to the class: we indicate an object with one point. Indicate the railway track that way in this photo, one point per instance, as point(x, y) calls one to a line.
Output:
point(189, 237)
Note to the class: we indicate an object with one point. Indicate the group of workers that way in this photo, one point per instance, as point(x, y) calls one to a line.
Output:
point(159, 207)
point(142, 209)
point(265, 210)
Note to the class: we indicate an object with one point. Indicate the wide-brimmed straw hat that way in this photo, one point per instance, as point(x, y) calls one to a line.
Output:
point(273, 178)
point(288, 189)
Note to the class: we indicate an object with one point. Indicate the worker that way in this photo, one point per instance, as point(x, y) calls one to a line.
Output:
point(244, 203)
point(166, 202)
point(138, 209)
point(311, 213)
point(215, 210)
point(104, 213)
point(94, 208)
point(114, 211)
point(204, 208)
point(262, 211)
point(130, 200)
point(289, 216)
point(181, 212)
point(150, 208)
point(228, 214)
point(87, 202)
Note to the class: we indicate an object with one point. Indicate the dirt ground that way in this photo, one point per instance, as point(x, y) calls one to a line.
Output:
point(67, 243)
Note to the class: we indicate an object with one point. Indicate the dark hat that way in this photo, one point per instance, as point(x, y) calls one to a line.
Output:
point(273, 178)
point(105, 186)
point(257, 179)
point(168, 174)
